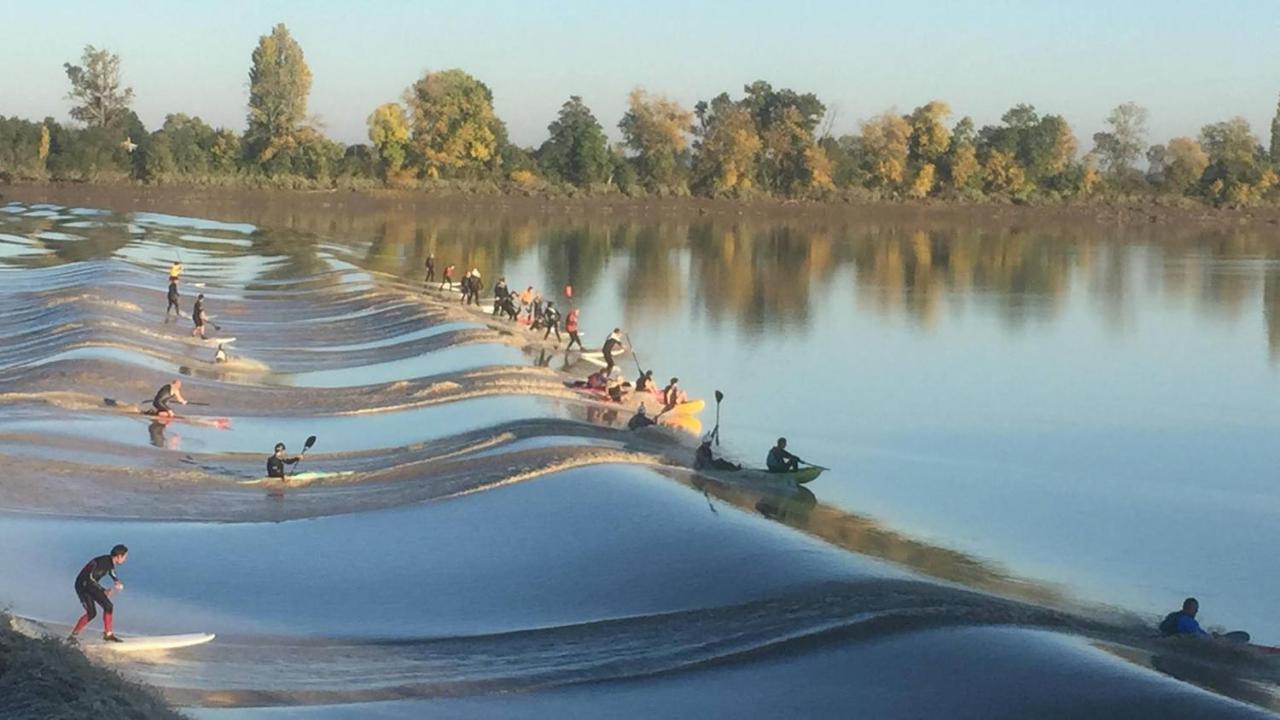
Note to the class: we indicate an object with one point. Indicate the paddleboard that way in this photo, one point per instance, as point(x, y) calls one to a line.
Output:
point(149, 415)
point(143, 643)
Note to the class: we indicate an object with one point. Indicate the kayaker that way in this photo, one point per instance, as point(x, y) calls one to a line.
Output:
point(277, 461)
point(780, 460)
point(170, 392)
point(197, 316)
point(645, 382)
point(551, 318)
point(173, 298)
point(91, 593)
point(704, 459)
point(640, 419)
point(571, 327)
point(1183, 622)
point(612, 344)
point(672, 395)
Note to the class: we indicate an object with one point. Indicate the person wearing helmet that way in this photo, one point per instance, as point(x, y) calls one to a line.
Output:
point(90, 592)
point(276, 463)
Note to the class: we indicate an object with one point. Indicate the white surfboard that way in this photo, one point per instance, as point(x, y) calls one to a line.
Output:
point(142, 643)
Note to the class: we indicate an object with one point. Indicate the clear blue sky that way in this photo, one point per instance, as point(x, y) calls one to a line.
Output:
point(1190, 63)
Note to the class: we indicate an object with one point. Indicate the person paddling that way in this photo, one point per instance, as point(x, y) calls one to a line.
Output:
point(173, 298)
point(1183, 622)
point(779, 460)
point(171, 392)
point(612, 344)
point(198, 316)
point(640, 420)
point(704, 459)
point(277, 461)
point(91, 594)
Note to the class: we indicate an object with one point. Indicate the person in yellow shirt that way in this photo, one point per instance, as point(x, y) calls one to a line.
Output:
point(175, 270)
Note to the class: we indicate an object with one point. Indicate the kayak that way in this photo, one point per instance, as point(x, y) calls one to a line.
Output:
point(762, 476)
point(689, 408)
point(687, 423)
point(301, 478)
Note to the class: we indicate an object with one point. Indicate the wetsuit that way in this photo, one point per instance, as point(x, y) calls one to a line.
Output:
point(275, 465)
point(551, 317)
point(638, 421)
point(610, 345)
point(780, 460)
point(703, 458)
point(499, 294)
point(197, 314)
point(571, 327)
point(1180, 623)
point(173, 297)
point(90, 592)
point(161, 401)
point(431, 271)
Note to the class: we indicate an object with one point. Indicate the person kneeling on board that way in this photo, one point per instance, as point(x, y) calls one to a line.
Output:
point(90, 593)
point(780, 460)
point(704, 459)
point(160, 404)
point(277, 461)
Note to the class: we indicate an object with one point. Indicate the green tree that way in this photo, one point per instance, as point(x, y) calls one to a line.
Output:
point(656, 129)
point(279, 83)
point(389, 133)
point(455, 130)
point(1238, 172)
point(1121, 146)
point(577, 151)
point(95, 88)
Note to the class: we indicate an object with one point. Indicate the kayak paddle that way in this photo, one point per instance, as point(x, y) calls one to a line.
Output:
point(305, 447)
point(633, 353)
point(715, 433)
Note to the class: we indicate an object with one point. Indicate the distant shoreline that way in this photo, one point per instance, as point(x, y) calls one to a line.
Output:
point(222, 203)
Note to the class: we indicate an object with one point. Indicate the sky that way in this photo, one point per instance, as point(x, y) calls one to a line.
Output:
point(1189, 63)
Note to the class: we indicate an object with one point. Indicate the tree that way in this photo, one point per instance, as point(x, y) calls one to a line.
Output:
point(1119, 147)
point(785, 121)
point(656, 129)
point(961, 161)
point(279, 82)
point(42, 147)
point(1238, 171)
point(930, 138)
point(1184, 163)
point(922, 183)
point(389, 133)
point(577, 151)
point(1157, 156)
point(885, 144)
point(95, 86)
point(726, 147)
point(1002, 175)
point(1275, 138)
point(455, 130)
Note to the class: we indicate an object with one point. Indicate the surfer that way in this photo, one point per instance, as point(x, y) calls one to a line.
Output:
point(499, 294)
point(779, 460)
point(277, 461)
point(704, 459)
point(431, 271)
point(197, 316)
point(571, 327)
point(509, 308)
point(173, 297)
point(672, 395)
point(612, 344)
point(91, 593)
point(170, 392)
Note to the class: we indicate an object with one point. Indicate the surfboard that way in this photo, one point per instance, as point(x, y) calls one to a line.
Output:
point(143, 643)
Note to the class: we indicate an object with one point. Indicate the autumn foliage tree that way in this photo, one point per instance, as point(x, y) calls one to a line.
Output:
point(279, 83)
point(454, 125)
point(389, 133)
point(656, 129)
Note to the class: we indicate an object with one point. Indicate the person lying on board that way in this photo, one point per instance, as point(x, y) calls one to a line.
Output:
point(597, 380)
point(90, 593)
point(277, 461)
point(779, 460)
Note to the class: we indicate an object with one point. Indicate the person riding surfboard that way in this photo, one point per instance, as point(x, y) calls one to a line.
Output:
point(91, 594)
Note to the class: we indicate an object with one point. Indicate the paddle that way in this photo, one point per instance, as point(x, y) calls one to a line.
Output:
point(305, 447)
point(715, 432)
point(633, 353)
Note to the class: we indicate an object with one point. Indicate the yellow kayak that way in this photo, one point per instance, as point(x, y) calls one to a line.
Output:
point(688, 423)
point(689, 408)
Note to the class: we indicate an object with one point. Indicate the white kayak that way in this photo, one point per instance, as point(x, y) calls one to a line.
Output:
point(300, 478)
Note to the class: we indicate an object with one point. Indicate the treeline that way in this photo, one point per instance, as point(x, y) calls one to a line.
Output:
point(766, 142)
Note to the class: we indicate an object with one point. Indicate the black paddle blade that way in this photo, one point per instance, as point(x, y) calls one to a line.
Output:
point(719, 396)
point(310, 441)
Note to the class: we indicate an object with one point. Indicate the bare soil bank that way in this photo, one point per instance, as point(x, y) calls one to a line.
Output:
point(230, 204)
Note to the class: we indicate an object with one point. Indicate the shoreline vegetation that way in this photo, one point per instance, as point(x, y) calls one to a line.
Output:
point(767, 148)
point(45, 678)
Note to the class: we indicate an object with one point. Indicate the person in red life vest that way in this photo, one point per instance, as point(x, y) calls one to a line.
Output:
point(91, 593)
point(447, 278)
point(571, 327)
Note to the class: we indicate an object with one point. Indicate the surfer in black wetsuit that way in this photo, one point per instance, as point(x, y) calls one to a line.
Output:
point(551, 316)
point(91, 593)
point(612, 344)
point(499, 294)
point(704, 459)
point(197, 316)
point(173, 298)
point(431, 271)
point(171, 392)
point(276, 463)
point(640, 419)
